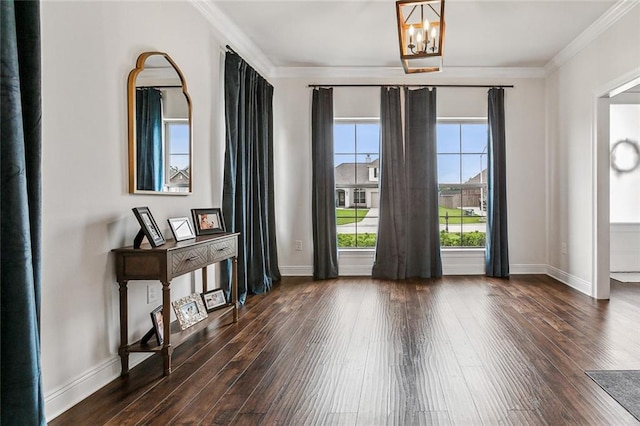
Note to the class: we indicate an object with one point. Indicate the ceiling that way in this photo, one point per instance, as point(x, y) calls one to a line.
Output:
point(363, 33)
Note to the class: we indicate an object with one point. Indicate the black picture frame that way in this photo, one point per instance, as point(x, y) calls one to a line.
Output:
point(181, 228)
point(148, 226)
point(208, 221)
point(214, 299)
point(158, 324)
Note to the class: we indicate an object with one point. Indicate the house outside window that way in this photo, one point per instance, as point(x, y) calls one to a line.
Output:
point(357, 163)
point(462, 182)
point(177, 151)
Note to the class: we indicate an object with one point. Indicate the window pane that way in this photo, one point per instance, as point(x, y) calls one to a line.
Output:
point(474, 138)
point(448, 136)
point(344, 138)
point(462, 164)
point(448, 168)
point(357, 162)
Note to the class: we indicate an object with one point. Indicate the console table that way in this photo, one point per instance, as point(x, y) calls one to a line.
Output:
point(164, 263)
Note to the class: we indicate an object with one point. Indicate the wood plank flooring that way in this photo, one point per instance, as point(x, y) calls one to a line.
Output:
point(358, 351)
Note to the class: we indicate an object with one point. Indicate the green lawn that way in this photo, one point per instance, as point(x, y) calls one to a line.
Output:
point(345, 216)
point(457, 215)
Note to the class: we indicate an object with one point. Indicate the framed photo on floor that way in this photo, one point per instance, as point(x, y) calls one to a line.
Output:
point(208, 221)
point(189, 310)
point(214, 299)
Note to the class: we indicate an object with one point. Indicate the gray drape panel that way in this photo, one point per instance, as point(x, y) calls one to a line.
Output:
point(22, 402)
point(423, 238)
point(390, 254)
point(325, 245)
point(248, 189)
point(497, 250)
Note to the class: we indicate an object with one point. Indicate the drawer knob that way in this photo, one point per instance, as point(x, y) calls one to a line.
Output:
point(189, 259)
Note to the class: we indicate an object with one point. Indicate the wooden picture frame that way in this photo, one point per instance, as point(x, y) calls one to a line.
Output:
point(158, 324)
point(148, 228)
point(208, 221)
point(214, 299)
point(189, 310)
point(181, 228)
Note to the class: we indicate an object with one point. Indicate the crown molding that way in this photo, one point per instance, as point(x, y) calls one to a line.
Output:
point(398, 72)
point(610, 17)
point(229, 33)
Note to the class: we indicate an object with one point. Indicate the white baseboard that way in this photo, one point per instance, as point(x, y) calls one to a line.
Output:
point(296, 271)
point(516, 269)
point(570, 280)
point(61, 399)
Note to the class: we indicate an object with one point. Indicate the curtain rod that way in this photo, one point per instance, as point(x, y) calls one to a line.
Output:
point(489, 86)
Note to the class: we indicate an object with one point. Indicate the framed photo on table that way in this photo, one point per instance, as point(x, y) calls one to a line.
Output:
point(208, 221)
point(148, 226)
point(214, 299)
point(181, 228)
point(158, 324)
point(189, 310)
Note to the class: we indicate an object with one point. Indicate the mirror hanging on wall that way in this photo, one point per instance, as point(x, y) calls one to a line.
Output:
point(160, 127)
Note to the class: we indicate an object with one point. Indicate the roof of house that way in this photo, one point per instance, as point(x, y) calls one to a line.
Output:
point(355, 174)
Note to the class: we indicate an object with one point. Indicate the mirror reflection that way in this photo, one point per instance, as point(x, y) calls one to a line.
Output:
point(159, 127)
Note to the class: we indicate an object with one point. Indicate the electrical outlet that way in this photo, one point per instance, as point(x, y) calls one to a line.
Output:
point(564, 248)
point(153, 293)
point(298, 245)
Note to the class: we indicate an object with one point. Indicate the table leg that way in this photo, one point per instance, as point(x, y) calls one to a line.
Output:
point(166, 319)
point(234, 288)
point(123, 350)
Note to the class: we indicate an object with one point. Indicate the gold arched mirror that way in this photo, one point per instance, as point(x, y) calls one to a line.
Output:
point(160, 130)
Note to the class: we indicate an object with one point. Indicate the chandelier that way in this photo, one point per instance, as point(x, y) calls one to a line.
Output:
point(421, 34)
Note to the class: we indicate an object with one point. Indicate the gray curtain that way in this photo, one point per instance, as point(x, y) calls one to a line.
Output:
point(390, 257)
point(497, 247)
point(149, 162)
point(22, 402)
point(423, 238)
point(325, 245)
point(248, 189)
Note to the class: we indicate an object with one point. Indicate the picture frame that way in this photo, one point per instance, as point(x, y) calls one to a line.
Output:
point(189, 310)
point(208, 221)
point(214, 299)
point(158, 324)
point(181, 228)
point(148, 228)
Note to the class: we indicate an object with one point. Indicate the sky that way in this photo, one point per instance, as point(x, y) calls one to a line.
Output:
point(471, 139)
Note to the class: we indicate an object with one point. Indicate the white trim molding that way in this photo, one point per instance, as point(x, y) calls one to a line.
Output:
point(610, 17)
point(572, 281)
point(64, 397)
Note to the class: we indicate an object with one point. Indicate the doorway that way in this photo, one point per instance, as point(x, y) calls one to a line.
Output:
point(613, 211)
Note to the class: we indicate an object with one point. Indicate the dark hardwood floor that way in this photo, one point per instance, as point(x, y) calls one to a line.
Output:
point(357, 351)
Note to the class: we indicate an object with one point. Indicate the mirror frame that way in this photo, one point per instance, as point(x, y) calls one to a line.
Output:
point(131, 115)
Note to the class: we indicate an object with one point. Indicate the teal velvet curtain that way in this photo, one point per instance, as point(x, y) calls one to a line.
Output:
point(497, 245)
point(248, 189)
point(21, 398)
point(323, 199)
point(149, 170)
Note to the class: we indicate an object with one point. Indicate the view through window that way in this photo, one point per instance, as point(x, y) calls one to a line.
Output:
point(177, 155)
point(356, 161)
point(462, 182)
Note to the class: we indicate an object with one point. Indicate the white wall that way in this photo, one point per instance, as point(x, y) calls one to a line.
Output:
point(525, 165)
point(571, 107)
point(88, 49)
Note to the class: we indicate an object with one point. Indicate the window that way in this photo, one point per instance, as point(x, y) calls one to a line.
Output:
point(177, 155)
point(356, 160)
point(462, 182)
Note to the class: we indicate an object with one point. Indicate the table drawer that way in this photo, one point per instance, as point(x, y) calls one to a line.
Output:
point(187, 260)
point(222, 249)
